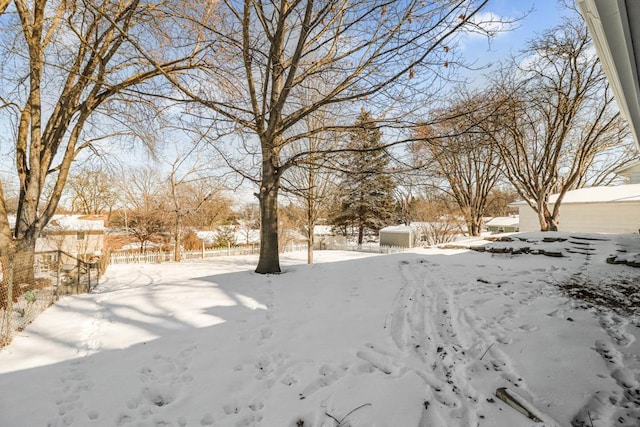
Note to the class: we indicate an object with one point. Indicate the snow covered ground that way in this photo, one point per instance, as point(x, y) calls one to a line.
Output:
point(417, 339)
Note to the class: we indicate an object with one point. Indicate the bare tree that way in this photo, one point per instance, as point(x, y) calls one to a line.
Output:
point(146, 207)
point(437, 221)
point(498, 201)
point(75, 69)
point(558, 117)
point(312, 186)
point(409, 177)
point(372, 51)
point(309, 181)
point(404, 194)
point(92, 191)
point(462, 153)
point(248, 222)
point(213, 212)
point(190, 187)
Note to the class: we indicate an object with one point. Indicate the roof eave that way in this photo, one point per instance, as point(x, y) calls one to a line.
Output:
point(608, 22)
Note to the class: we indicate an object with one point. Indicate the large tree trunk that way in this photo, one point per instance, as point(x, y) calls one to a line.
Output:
point(544, 225)
point(310, 244)
point(6, 237)
point(23, 262)
point(473, 220)
point(474, 228)
point(269, 261)
point(548, 222)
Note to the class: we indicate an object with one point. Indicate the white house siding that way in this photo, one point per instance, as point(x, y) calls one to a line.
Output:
point(528, 219)
point(608, 217)
point(74, 243)
point(631, 173)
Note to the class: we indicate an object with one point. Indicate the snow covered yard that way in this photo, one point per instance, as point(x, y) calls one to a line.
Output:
point(414, 339)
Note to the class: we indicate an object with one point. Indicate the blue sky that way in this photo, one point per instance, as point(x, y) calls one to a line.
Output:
point(537, 16)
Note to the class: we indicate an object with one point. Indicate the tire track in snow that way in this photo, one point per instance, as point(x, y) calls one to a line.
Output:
point(451, 349)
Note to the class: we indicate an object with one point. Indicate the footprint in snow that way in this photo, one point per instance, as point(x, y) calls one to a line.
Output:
point(163, 380)
point(206, 420)
point(504, 339)
point(74, 385)
point(614, 325)
point(231, 408)
point(244, 416)
point(620, 406)
point(265, 334)
point(327, 376)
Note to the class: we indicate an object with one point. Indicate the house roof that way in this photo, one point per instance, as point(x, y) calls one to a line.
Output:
point(400, 229)
point(76, 223)
point(322, 230)
point(70, 223)
point(629, 167)
point(504, 221)
point(615, 194)
point(613, 26)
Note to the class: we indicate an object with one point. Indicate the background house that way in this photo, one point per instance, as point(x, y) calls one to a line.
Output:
point(77, 235)
point(325, 238)
point(503, 224)
point(631, 173)
point(596, 209)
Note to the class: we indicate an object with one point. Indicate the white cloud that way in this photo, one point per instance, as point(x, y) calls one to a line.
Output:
point(488, 23)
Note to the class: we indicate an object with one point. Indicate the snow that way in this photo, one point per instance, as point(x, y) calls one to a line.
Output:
point(618, 193)
point(70, 223)
point(241, 236)
point(76, 222)
point(403, 229)
point(323, 230)
point(504, 221)
point(420, 338)
point(136, 245)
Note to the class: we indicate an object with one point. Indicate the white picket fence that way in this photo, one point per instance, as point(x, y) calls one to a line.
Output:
point(375, 249)
point(155, 257)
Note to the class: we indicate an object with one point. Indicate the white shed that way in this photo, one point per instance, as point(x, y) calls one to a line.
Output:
point(593, 210)
point(403, 236)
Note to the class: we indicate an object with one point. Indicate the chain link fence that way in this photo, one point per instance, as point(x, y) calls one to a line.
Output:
point(30, 283)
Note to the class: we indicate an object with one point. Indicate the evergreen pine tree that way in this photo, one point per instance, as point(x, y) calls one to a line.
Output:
point(366, 200)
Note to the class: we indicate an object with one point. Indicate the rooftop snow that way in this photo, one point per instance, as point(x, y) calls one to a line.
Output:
point(618, 193)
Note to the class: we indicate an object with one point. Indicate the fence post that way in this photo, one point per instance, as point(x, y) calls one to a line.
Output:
point(88, 267)
point(9, 308)
point(99, 267)
point(58, 271)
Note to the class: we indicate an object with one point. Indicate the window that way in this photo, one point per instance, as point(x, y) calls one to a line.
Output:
point(80, 235)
